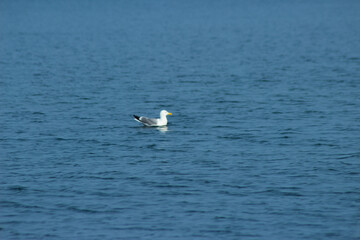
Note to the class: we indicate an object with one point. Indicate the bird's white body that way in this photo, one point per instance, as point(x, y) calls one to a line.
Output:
point(154, 122)
point(163, 119)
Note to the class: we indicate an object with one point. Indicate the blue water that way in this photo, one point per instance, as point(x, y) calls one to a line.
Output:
point(263, 142)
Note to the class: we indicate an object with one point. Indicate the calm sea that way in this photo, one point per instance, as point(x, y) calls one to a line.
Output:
point(263, 143)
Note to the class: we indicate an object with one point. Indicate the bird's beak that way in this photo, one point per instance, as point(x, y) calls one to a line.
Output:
point(169, 113)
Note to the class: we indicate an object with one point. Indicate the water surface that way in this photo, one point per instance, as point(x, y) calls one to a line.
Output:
point(263, 142)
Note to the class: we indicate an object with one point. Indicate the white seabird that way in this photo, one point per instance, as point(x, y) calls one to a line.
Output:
point(154, 122)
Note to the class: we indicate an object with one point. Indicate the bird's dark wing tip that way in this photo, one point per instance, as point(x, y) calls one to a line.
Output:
point(136, 117)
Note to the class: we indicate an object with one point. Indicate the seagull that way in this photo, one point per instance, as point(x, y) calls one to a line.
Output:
point(154, 122)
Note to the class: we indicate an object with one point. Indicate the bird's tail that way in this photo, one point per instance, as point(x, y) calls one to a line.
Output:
point(137, 118)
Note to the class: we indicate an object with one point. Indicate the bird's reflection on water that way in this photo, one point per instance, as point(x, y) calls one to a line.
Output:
point(163, 129)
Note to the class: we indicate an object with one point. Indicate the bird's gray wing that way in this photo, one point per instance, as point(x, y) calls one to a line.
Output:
point(148, 121)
